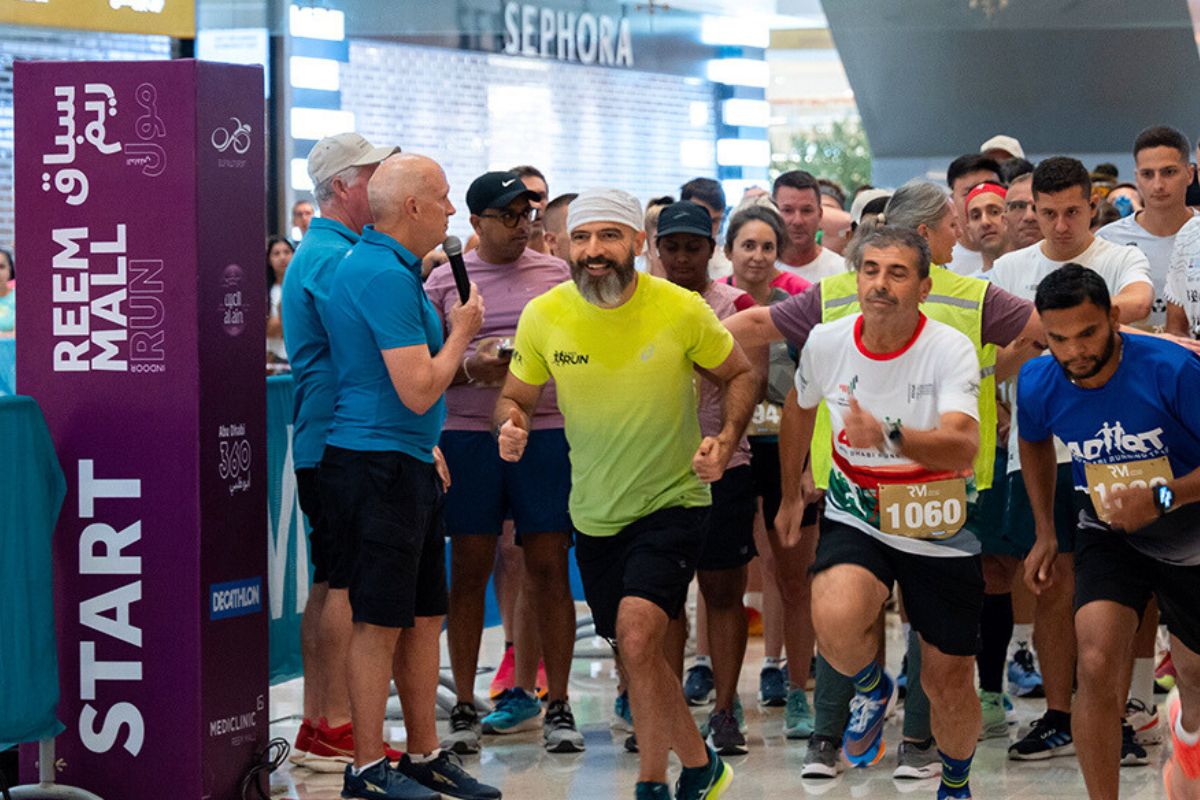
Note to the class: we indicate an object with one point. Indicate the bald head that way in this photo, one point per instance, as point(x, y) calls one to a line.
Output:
point(410, 201)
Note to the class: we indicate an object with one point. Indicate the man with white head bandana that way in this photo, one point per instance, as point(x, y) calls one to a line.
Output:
point(622, 349)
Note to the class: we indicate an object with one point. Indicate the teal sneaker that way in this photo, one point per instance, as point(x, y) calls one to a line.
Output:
point(797, 716)
point(622, 714)
point(704, 783)
point(652, 791)
point(995, 720)
point(516, 710)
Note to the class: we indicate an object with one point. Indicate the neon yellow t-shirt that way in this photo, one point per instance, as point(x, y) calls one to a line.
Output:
point(626, 390)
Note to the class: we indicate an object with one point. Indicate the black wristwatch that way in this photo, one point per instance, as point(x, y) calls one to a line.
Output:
point(893, 438)
point(1164, 499)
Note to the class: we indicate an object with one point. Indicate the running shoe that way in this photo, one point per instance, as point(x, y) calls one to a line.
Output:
point(622, 714)
point(754, 622)
point(917, 761)
point(954, 793)
point(739, 715)
point(382, 781)
point(1186, 756)
point(540, 683)
point(698, 686)
point(465, 730)
point(331, 749)
point(823, 759)
point(515, 711)
point(1132, 753)
point(445, 775)
point(863, 739)
point(631, 743)
point(1010, 713)
point(1024, 679)
point(798, 716)
point(724, 735)
point(704, 783)
point(652, 791)
point(304, 738)
point(1145, 723)
point(1046, 739)
point(559, 733)
point(1164, 674)
point(505, 675)
point(995, 720)
point(772, 687)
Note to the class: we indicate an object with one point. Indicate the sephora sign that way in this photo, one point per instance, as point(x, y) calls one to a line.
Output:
point(585, 38)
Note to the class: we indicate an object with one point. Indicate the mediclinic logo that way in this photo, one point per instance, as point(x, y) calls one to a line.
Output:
point(235, 598)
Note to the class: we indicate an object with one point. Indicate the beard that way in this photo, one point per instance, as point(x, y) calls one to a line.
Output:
point(606, 290)
point(1094, 365)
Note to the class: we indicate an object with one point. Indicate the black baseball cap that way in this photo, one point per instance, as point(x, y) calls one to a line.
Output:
point(684, 217)
point(496, 190)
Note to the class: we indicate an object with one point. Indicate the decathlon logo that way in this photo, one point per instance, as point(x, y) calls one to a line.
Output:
point(235, 598)
point(562, 358)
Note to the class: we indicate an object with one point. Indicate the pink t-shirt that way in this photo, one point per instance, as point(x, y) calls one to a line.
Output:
point(725, 301)
point(505, 288)
point(790, 283)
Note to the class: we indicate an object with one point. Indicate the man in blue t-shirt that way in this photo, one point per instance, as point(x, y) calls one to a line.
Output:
point(340, 167)
point(1125, 408)
point(380, 489)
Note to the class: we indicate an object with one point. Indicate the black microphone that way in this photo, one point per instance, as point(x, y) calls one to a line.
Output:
point(452, 247)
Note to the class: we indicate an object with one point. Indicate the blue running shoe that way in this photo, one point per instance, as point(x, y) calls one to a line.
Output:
point(863, 739)
point(622, 714)
point(383, 782)
point(445, 774)
point(1024, 679)
point(647, 790)
point(698, 685)
point(954, 792)
point(704, 783)
point(516, 710)
point(772, 687)
point(798, 719)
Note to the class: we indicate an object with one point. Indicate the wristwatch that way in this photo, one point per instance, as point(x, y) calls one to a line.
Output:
point(1164, 499)
point(893, 438)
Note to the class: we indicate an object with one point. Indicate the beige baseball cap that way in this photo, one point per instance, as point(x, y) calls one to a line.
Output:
point(1006, 143)
point(333, 154)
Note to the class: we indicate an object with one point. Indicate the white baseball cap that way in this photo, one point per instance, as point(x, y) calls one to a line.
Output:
point(1006, 143)
point(333, 154)
point(861, 200)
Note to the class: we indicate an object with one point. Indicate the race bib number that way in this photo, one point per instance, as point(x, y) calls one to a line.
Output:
point(1102, 479)
point(765, 421)
point(935, 510)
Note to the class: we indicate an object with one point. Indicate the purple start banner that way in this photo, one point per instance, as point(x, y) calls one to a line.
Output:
point(140, 223)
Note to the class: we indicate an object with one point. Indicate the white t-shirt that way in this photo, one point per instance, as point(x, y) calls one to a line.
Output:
point(825, 264)
point(934, 374)
point(719, 266)
point(1158, 249)
point(1183, 274)
point(1021, 271)
point(965, 262)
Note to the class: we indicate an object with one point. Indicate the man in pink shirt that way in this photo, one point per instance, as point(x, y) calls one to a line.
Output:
point(485, 490)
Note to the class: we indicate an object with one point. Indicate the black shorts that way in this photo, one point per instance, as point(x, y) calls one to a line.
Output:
point(943, 596)
point(653, 558)
point(308, 487)
point(1020, 512)
point(1107, 567)
point(730, 540)
point(384, 510)
point(768, 484)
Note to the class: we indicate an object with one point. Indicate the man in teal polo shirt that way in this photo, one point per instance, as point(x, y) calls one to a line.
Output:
point(340, 167)
point(380, 488)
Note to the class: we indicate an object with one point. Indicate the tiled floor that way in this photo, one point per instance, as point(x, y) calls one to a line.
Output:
point(525, 771)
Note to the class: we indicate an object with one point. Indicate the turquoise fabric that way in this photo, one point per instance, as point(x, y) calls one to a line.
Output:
point(32, 488)
point(8, 366)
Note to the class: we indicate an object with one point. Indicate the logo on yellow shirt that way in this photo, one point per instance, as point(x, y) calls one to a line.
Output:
point(562, 358)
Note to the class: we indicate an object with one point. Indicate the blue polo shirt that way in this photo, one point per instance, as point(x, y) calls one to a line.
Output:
point(377, 303)
point(305, 293)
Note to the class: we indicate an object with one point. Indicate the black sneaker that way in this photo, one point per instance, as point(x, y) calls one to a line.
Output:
point(445, 774)
point(1132, 753)
point(1047, 738)
point(631, 743)
point(558, 729)
point(724, 735)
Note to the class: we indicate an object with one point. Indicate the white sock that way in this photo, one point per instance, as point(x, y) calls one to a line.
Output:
point(769, 662)
point(753, 600)
point(1142, 685)
point(360, 770)
point(425, 759)
point(1188, 738)
point(703, 661)
point(905, 627)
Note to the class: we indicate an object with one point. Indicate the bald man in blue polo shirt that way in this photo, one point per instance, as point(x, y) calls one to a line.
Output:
point(380, 488)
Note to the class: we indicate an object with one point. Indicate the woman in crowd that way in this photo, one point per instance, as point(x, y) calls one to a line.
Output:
point(279, 255)
point(8, 294)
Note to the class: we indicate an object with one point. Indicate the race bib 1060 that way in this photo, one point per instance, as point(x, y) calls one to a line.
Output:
point(934, 510)
point(1102, 479)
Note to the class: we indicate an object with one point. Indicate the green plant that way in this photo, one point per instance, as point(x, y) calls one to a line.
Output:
point(839, 151)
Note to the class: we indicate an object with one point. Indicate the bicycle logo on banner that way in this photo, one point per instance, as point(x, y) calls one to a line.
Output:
point(235, 137)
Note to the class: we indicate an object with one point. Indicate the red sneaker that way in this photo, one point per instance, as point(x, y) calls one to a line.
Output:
point(304, 738)
point(332, 749)
point(1185, 756)
point(505, 674)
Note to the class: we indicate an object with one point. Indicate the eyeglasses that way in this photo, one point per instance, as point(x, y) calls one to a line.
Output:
point(511, 219)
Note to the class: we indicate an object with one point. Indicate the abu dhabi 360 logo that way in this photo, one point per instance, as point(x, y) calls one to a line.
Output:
point(235, 136)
